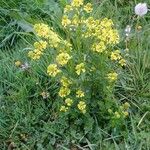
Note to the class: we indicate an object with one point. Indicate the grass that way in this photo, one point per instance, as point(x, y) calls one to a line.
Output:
point(28, 122)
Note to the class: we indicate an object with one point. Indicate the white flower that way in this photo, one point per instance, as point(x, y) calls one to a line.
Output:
point(141, 9)
point(128, 30)
point(25, 66)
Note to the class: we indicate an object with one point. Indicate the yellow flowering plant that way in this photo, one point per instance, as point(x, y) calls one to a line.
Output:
point(118, 116)
point(85, 61)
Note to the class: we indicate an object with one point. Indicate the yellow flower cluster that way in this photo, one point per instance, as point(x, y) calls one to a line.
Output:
point(117, 56)
point(18, 63)
point(54, 39)
point(88, 8)
point(64, 91)
point(125, 106)
point(82, 106)
point(38, 51)
point(112, 76)
point(106, 32)
point(66, 46)
point(68, 101)
point(122, 62)
point(80, 68)
point(117, 114)
point(65, 21)
point(42, 30)
point(77, 3)
point(99, 47)
point(63, 108)
point(65, 82)
point(123, 111)
point(74, 20)
point(35, 54)
point(63, 58)
point(71, 60)
point(102, 30)
point(40, 45)
point(53, 70)
point(79, 93)
point(68, 8)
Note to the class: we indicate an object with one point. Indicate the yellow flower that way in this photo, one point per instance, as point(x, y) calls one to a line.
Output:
point(88, 7)
point(38, 52)
point(42, 30)
point(35, 54)
point(90, 22)
point(138, 28)
point(77, 3)
point(65, 82)
point(107, 23)
point(115, 55)
point(69, 101)
point(63, 58)
point(65, 21)
point(18, 63)
point(64, 91)
point(82, 106)
point(63, 108)
point(126, 114)
point(79, 93)
point(67, 44)
point(122, 62)
point(80, 68)
point(40, 45)
point(112, 76)
point(75, 20)
point(100, 47)
point(104, 31)
point(117, 115)
point(101, 30)
point(30, 54)
point(113, 37)
point(126, 105)
point(54, 39)
point(67, 9)
point(52, 70)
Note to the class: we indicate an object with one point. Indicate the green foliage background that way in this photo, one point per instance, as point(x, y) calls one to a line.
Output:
point(29, 122)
